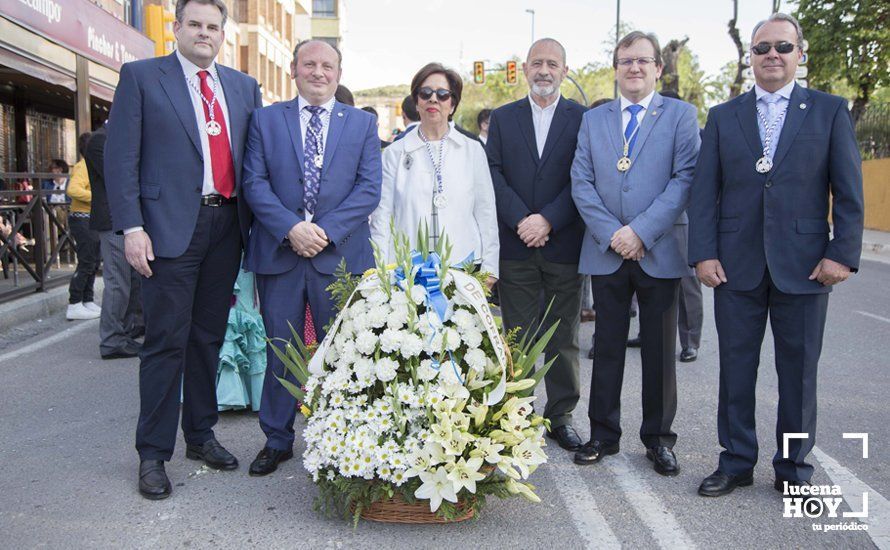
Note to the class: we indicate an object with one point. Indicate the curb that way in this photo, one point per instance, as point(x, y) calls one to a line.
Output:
point(39, 305)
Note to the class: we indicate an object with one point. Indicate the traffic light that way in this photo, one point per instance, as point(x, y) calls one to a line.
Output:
point(156, 19)
point(511, 72)
point(479, 72)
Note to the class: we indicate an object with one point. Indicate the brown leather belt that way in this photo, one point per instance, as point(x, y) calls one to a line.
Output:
point(217, 200)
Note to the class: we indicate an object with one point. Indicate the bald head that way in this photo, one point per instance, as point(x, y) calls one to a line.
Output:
point(545, 68)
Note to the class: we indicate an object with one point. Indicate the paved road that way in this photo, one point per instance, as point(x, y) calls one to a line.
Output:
point(68, 468)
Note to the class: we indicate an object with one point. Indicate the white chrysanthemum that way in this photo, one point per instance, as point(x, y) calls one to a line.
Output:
point(391, 340)
point(386, 369)
point(476, 359)
point(366, 342)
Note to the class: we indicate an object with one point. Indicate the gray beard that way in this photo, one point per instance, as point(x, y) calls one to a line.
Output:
point(544, 91)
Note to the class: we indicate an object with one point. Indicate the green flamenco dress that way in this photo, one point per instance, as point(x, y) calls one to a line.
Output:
point(242, 356)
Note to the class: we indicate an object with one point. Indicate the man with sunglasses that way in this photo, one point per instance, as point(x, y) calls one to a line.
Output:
point(630, 181)
point(772, 162)
point(530, 147)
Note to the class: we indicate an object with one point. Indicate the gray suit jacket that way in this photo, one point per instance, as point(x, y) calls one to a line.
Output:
point(651, 197)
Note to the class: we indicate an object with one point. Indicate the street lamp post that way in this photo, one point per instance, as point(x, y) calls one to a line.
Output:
point(532, 12)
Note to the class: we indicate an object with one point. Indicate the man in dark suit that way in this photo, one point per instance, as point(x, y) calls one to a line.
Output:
point(121, 318)
point(312, 176)
point(176, 138)
point(772, 161)
point(530, 147)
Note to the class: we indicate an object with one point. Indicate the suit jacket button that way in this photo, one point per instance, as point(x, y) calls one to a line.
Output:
point(769, 183)
point(625, 188)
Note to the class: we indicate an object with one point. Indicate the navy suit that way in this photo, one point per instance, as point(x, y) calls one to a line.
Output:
point(154, 172)
point(273, 187)
point(528, 183)
point(769, 232)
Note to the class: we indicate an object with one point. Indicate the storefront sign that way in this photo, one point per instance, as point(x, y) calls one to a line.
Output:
point(82, 27)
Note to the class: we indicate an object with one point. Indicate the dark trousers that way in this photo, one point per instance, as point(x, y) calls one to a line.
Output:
point(798, 323)
point(186, 306)
point(86, 246)
point(121, 302)
point(521, 284)
point(690, 313)
point(283, 299)
point(657, 300)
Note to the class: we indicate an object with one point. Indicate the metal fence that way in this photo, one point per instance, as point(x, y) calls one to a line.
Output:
point(873, 131)
point(34, 237)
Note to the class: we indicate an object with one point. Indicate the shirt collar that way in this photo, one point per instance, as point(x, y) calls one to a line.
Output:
point(784, 91)
point(328, 106)
point(413, 142)
point(644, 103)
point(538, 109)
point(191, 70)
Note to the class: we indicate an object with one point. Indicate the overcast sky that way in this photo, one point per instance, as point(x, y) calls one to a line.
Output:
point(387, 41)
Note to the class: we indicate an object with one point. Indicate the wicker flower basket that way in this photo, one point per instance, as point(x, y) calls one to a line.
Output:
point(396, 510)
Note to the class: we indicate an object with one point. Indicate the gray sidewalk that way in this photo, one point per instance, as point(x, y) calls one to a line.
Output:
point(39, 305)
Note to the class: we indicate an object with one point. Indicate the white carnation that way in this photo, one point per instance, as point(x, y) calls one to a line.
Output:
point(386, 368)
point(426, 372)
point(366, 342)
point(472, 337)
point(476, 359)
point(377, 315)
point(390, 340)
point(451, 338)
point(412, 345)
point(418, 294)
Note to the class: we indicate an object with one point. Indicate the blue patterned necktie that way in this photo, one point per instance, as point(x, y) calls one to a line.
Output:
point(632, 124)
point(311, 149)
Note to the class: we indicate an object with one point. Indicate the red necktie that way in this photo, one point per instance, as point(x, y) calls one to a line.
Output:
point(220, 152)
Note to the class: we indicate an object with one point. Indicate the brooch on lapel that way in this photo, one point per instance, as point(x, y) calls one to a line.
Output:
point(409, 160)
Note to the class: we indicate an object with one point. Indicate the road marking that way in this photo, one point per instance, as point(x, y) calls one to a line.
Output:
point(592, 526)
point(57, 337)
point(661, 523)
point(878, 519)
point(872, 315)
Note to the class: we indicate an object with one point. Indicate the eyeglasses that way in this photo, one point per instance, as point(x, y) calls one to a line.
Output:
point(641, 61)
point(426, 93)
point(763, 48)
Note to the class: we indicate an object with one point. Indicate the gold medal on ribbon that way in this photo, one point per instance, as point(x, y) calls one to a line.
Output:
point(623, 164)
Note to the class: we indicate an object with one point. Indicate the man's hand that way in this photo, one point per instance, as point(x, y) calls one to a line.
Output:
point(490, 282)
point(307, 239)
point(137, 249)
point(710, 273)
point(626, 243)
point(534, 230)
point(829, 272)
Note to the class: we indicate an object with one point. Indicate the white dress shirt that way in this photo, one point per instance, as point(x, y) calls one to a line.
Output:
point(625, 114)
point(541, 119)
point(771, 110)
point(469, 218)
point(305, 117)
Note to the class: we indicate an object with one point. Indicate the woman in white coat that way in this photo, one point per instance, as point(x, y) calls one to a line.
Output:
point(437, 175)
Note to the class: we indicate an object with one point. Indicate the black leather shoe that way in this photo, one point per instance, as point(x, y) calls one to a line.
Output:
point(594, 451)
point(123, 353)
point(719, 484)
point(635, 342)
point(213, 454)
point(566, 437)
point(664, 460)
point(153, 481)
point(779, 484)
point(267, 461)
point(688, 355)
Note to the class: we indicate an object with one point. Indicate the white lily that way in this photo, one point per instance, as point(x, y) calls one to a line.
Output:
point(527, 456)
point(436, 487)
point(465, 474)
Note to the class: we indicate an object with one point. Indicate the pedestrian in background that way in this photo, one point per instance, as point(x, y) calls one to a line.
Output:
point(81, 303)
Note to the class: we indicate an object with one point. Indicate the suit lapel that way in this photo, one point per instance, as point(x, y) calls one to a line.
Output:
point(557, 125)
point(174, 84)
point(335, 130)
point(747, 115)
point(292, 118)
point(527, 128)
point(616, 133)
point(650, 118)
point(233, 101)
point(798, 107)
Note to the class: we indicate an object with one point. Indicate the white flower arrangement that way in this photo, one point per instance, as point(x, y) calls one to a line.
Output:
point(412, 391)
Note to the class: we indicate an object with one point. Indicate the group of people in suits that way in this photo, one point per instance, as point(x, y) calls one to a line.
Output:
point(195, 169)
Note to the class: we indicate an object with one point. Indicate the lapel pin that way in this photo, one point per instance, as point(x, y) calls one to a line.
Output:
point(340, 114)
point(803, 105)
point(408, 162)
point(654, 113)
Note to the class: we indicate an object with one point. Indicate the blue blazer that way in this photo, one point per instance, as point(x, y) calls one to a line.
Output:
point(526, 184)
point(650, 197)
point(351, 177)
point(752, 222)
point(154, 167)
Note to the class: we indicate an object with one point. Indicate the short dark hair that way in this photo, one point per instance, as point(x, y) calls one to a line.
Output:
point(82, 140)
point(302, 43)
point(220, 4)
point(343, 95)
point(409, 108)
point(779, 16)
point(455, 84)
point(483, 116)
point(60, 164)
point(632, 37)
point(371, 110)
point(600, 101)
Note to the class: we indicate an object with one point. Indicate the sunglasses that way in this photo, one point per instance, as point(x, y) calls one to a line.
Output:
point(426, 93)
point(763, 48)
